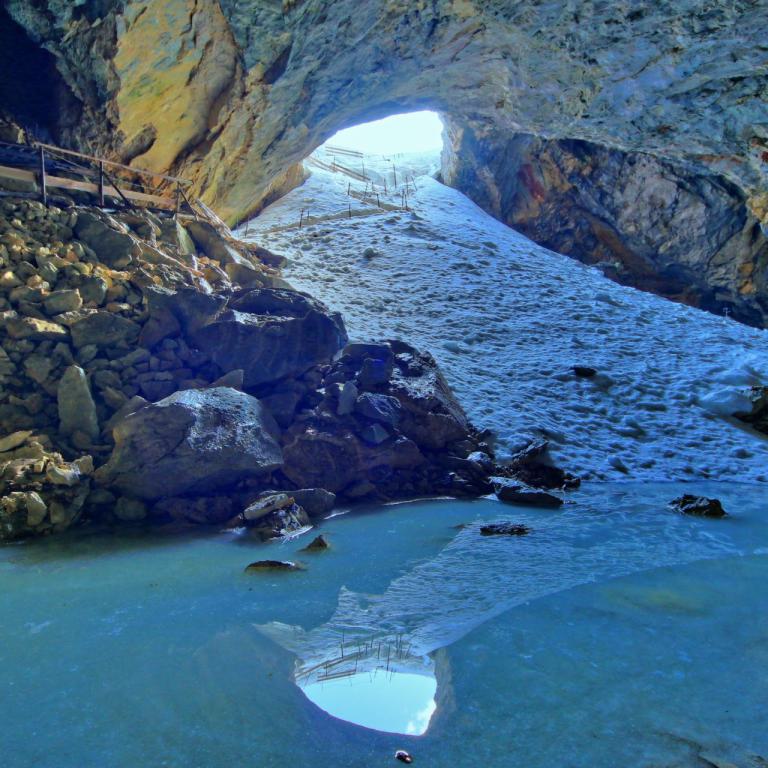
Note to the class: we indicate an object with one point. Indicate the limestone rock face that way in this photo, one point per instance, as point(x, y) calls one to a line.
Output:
point(235, 92)
point(193, 441)
point(655, 225)
point(271, 334)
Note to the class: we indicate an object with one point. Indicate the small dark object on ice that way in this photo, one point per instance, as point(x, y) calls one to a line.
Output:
point(584, 371)
point(273, 565)
point(318, 544)
point(403, 756)
point(701, 506)
point(504, 529)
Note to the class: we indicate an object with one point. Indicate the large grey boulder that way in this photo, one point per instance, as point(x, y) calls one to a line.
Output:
point(104, 329)
point(272, 333)
point(192, 442)
point(108, 238)
point(77, 411)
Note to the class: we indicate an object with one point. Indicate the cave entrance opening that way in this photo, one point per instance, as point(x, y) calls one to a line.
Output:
point(409, 132)
point(377, 163)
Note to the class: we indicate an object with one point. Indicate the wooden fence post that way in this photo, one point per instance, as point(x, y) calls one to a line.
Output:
point(43, 182)
point(101, 183)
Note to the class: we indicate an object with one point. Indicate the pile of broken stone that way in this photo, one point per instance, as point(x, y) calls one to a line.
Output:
point(157, 368)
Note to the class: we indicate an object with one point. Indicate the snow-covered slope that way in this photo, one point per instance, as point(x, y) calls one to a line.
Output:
point(507, 320)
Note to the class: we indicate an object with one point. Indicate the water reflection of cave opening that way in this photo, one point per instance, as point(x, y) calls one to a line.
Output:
point(391, 701)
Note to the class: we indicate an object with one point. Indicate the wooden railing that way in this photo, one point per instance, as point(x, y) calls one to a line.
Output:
point(54, 167)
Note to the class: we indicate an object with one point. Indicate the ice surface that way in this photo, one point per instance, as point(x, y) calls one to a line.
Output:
point(641, 641)
point(507, 319)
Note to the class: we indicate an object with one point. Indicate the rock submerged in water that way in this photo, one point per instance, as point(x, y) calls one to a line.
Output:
point(698, 506)
point(318, 544)
point(504, 529)
point(261, 566)
point(518, 494)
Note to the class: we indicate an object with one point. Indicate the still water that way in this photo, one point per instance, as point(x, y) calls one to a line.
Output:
point(617, 632)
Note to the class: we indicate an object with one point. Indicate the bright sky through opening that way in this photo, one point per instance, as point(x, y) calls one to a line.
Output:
point(411, 132)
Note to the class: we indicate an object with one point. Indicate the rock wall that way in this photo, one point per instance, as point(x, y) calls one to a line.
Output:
point(656, 225)
point(235, 92)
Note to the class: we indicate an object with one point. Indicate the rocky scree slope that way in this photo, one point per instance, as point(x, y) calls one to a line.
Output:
point(160, 369)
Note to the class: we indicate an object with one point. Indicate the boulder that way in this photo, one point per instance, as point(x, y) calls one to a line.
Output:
point(266, 506)
point(183, 310)
point(93, 290)
point(529, 497)
point(431, 415)
point(20, 513)
point(504, 529)
point(63, 301)
point(282, 521)
point(533, 466)
point(77, 411)
point(336, 459)
point(273, 565)
point(272, 334)
point(193, 441)
point(757, 417)
point(347, 399)
point(14, 440)
point(104, 330)
point(378, 407)
point(699, 506)
point(315, 501)
point(108, 239)
point(374, 434)
point(318, 544)
point(211, 242)
point(35, 329)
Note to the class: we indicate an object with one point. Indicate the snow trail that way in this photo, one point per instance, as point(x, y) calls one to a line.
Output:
point(507, 320)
